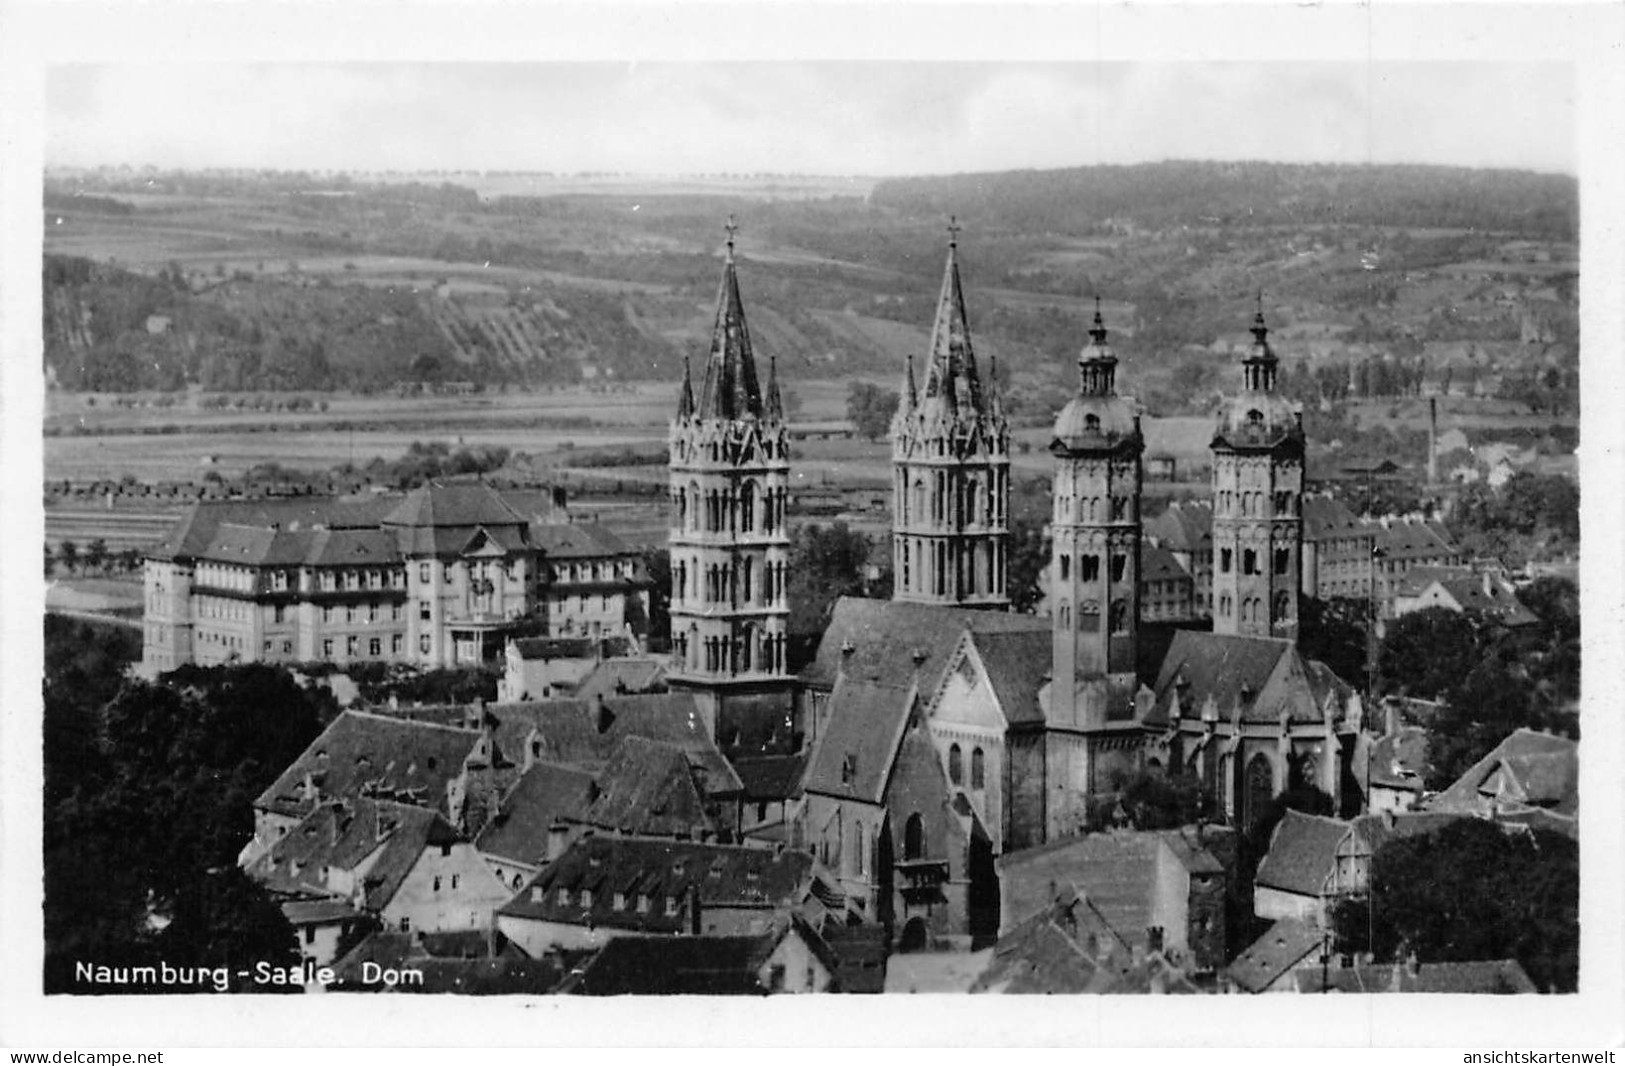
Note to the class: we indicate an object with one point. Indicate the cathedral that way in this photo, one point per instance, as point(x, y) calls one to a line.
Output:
point(945, 730)
point(950, 469)
point(730, 544)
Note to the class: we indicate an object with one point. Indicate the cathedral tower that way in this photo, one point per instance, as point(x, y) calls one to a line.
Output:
point(730, 468)
point(951, 469)
point(1095, 600)
point(1258, 451)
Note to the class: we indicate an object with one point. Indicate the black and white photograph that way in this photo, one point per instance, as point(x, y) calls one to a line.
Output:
point(917, 508)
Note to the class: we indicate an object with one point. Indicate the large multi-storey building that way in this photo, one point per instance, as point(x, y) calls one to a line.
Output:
point(438, 577)
point(730, 543)
point(1258, 450)
point(951, 469)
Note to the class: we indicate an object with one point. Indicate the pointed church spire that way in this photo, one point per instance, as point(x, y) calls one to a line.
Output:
point(775, 404)
point(951, 368)
point(730, 389)
point(685, 398)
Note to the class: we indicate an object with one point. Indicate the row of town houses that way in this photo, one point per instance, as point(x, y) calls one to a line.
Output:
point(943, 773)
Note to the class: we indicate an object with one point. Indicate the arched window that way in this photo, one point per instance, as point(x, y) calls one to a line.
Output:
point(1258, 789)
point(1225, 555)
point(1283, 559)
point(1249, 561)
point(1283, 601)
point(978, 769)
point(862, 852)
point(1066, 566)
point(956, 764)
point(747, 509)
point(1090, 567)
point(914, 837)
point(1065, 617)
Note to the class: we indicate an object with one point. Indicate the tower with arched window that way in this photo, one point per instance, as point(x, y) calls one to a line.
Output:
point(1095, 601)
point(950, 469)
point(1258, 449)
point(730, 470)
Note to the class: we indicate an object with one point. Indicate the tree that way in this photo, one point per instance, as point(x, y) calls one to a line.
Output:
point(1426, 653)
point(825, 564)
point(67, 554)
point(96, 554)
point(1335, 631)
point(1473, 891)
point(1029, 553)
point(657, 564)
point(148, 803)
point(870, 409)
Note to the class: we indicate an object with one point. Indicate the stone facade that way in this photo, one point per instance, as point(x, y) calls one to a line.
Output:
point(951, 471)
point(1258, 454)
point(730, 544)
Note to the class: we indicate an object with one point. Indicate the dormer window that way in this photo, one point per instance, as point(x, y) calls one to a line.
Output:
point(849, 769)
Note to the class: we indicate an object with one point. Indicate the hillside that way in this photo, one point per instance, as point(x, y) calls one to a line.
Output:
point(1379, 277)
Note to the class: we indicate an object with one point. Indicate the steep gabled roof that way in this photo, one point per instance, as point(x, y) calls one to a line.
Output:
point(1490, 600)
point(1283, 947)
point(578, 540)
point(1160, 564)
point(1216, 666)
point(771, 777)
point(454, 503)
point(1399, 759)
point(191, 536)
point(545, 793)
point(1117, 871)
point(392, 757)
point(854, 756)
point(585, 733)
point(1017, 664)
point(1535, 769)
point(1303, 854)
point(1184, 527)
point(723, 875)
point(341, 835)
point(878, 640)
point(1325, 517)
point(647, 788)
point(614, 677)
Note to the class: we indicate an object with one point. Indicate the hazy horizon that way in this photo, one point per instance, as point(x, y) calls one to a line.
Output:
point(806, 119)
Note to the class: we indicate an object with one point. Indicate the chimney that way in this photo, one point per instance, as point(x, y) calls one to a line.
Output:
point(558, 836)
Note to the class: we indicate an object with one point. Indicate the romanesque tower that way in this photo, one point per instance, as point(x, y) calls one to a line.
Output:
point(1257, 491)
point(1095, 602)
point(950, 469)
point(730, 468)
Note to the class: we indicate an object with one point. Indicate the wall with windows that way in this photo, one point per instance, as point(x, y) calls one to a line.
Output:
point(450, 887)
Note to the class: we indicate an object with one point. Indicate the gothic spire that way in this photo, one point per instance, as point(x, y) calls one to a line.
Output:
point(730, 390)
point(911, 394)
point(951, 370)
point(685, 399)
point(775, 405)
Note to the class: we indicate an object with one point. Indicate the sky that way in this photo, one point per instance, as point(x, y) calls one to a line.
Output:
point(847, 117)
